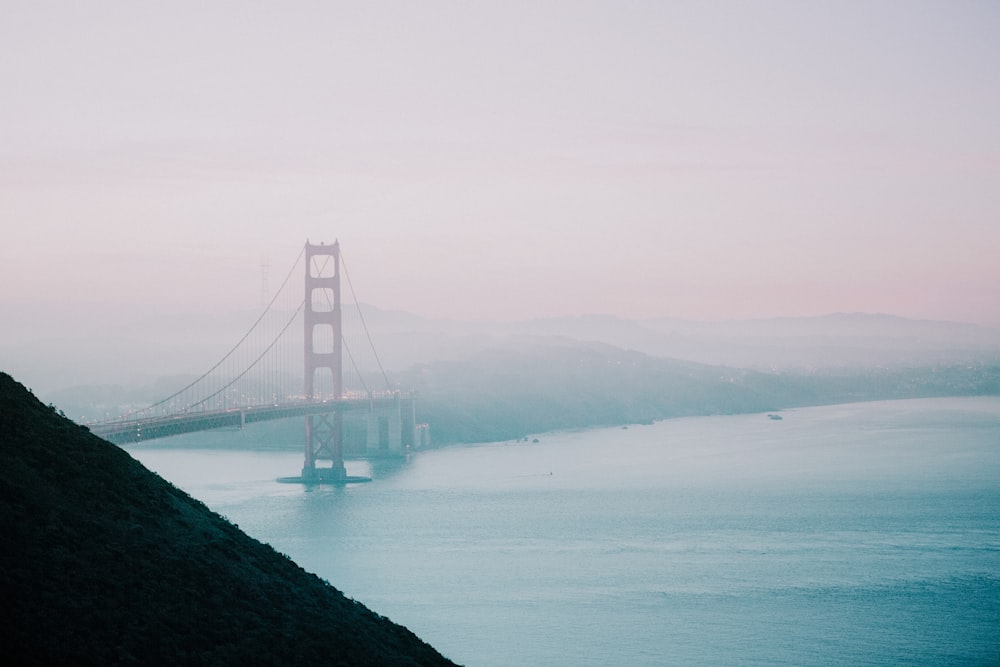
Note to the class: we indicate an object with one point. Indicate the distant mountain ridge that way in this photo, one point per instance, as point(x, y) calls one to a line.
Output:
point(832, 341)
point(134, 349)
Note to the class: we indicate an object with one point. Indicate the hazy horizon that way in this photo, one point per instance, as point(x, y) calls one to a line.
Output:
point(507, 161)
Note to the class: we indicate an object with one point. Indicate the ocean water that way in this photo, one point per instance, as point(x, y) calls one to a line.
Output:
point(862, 534)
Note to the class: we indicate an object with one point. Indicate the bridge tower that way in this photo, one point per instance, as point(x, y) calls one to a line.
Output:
point(323, 352)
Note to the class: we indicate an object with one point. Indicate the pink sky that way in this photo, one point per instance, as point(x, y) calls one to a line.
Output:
point(508, 160)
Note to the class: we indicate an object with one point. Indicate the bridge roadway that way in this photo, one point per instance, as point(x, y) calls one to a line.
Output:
point(141, 429)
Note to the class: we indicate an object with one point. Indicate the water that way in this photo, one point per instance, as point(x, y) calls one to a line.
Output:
point(855, 534)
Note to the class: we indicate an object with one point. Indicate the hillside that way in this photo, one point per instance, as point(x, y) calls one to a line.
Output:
point(103, 562)
point(532, 385)
point(836, 341)
point(134, 350)
point(523, 385)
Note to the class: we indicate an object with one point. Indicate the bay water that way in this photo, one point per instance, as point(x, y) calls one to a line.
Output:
point(861, 534)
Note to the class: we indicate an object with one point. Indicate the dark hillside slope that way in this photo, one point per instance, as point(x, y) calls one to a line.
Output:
point(103, 562)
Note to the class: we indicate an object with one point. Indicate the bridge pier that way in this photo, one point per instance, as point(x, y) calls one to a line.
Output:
point(410, 424)
point(324, 441)
point(372, 432)
point(385, 429)
point(395, 429)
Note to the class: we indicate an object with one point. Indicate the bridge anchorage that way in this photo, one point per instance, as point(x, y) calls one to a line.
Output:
point(254, 382)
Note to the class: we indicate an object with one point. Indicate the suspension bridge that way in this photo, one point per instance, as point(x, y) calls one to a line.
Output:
point(258, 378)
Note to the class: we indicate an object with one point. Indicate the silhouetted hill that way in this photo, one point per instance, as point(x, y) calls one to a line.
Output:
point(103, 562)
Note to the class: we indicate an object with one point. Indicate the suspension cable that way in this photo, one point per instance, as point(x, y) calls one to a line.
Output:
point(364, 325)
point(273, 342)
point(229, 353)
point(255, 361)
point(361, 377)
point(343, 341)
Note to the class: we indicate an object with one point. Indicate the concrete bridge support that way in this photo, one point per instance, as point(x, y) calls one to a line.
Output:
point(324, 442)
point(384, 426)
point(395, 429)
point(372, 433)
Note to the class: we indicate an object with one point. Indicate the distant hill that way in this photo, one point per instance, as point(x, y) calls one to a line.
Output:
point(831, 342)
point(103, 562)
point(133, 348)
point(837, 341)
point(530, 384)
point(508, 387)
point(481, 381)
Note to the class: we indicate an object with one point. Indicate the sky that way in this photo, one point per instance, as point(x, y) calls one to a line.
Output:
point(506, 160)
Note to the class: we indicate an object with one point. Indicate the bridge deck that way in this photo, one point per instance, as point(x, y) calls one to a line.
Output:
point(150, 428)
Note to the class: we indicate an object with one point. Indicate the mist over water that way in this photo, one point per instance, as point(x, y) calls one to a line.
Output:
point(852, 534)
point(721, 181)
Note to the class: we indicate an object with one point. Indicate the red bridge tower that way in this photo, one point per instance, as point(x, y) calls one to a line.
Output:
point(324, 379)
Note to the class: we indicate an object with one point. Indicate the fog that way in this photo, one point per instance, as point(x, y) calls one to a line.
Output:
point(617, 251)
point(501, 162)
point(704, 183)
